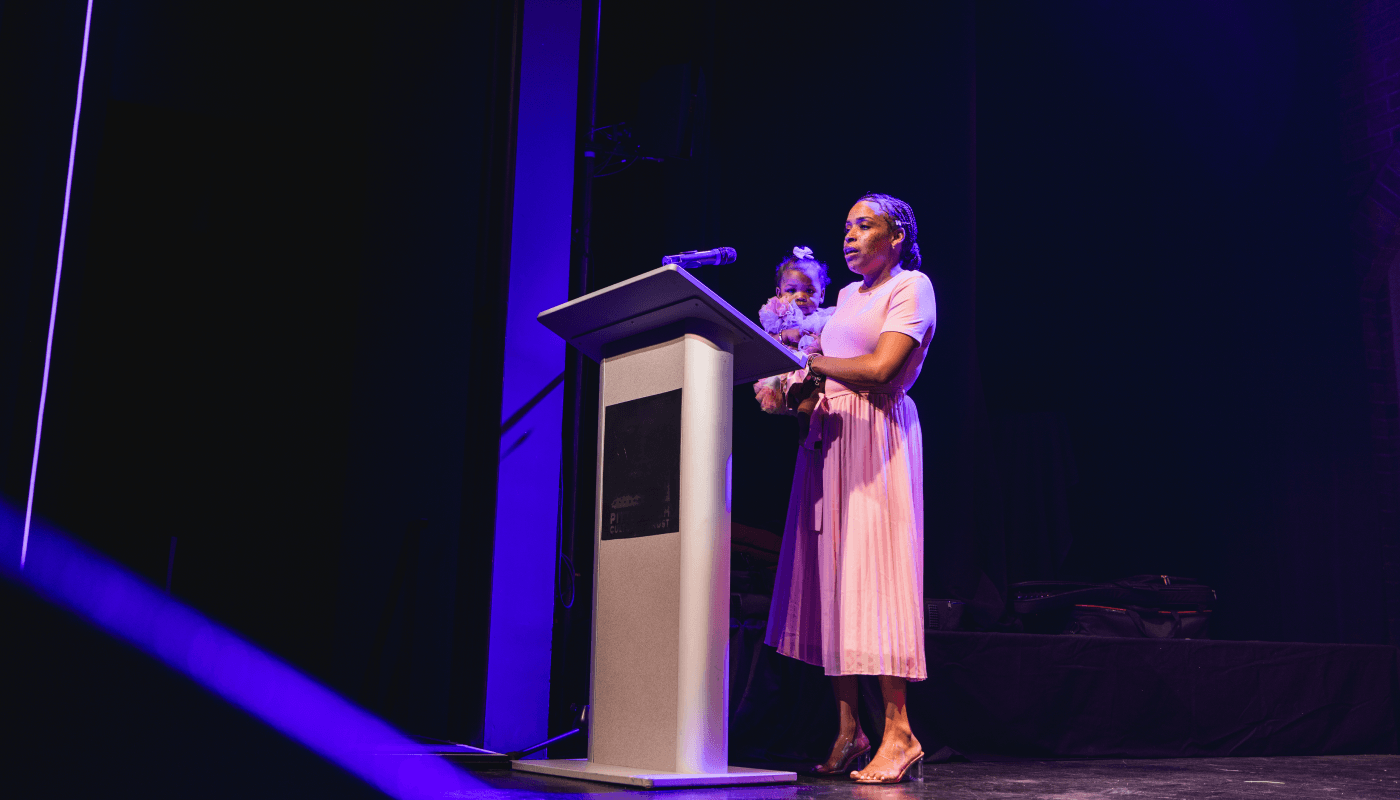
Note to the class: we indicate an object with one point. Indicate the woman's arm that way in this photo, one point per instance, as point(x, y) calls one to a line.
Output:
point(880, 367)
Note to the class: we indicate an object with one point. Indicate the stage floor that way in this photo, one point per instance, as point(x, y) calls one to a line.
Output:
point(1109, 779)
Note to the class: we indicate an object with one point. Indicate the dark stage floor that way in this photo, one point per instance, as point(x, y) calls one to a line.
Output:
point(1310, 777)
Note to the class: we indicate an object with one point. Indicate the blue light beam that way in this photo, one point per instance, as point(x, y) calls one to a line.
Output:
point(66, 573)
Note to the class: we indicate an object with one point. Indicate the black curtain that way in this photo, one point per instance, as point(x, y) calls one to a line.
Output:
point(280, 319)
point(1148, 357)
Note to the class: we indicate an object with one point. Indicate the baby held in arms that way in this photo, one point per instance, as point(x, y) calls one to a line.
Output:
point(795, 317)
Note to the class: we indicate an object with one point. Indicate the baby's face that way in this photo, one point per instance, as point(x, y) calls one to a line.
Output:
point(797, 288)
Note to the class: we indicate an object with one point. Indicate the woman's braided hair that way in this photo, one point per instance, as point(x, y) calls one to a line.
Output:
point(898, 214)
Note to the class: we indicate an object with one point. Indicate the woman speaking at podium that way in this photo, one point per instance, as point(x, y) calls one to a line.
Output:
point(849, 591)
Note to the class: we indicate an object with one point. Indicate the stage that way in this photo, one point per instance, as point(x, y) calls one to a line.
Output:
point(284, 443)
point(1151, 779)
point(1003, 695)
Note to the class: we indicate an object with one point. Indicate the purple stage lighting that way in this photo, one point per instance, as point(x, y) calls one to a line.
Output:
point(57, 277)
point(70, 575)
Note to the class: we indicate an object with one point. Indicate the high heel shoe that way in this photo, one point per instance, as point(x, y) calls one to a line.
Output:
point(851, 751)
point(915, 763)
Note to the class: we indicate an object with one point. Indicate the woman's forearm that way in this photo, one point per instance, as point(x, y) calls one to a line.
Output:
point(874, 369)
point(860, 371)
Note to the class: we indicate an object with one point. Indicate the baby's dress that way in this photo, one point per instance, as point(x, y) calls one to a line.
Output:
point(850, 581)
point(771, 393)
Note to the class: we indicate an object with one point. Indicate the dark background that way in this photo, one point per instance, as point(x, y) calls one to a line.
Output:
point(278, 341)
point(278, 338)
point(1149, 354)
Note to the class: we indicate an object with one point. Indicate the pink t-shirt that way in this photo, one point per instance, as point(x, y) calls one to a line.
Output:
point(904, 304)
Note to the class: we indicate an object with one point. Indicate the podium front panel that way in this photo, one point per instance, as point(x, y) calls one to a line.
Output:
point(661, 588)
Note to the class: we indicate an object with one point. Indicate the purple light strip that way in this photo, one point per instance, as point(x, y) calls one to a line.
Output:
point(57, 278)
point(100, 591)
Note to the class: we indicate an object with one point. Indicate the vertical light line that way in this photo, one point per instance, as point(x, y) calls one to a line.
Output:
point(57, 279)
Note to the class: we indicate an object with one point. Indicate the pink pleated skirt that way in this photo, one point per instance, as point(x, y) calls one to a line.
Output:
point(849, 589)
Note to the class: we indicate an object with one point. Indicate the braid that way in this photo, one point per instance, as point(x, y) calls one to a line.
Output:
point(898, 214)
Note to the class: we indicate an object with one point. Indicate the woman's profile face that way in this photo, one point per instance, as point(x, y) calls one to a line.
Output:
point(870, 246)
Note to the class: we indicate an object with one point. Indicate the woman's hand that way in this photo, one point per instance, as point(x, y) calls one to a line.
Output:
point(878, 368)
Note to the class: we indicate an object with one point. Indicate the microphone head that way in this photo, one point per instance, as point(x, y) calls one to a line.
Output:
point(727, 255)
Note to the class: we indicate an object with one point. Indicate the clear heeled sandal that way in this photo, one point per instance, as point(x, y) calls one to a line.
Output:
point(853, 756)
point(911, 769)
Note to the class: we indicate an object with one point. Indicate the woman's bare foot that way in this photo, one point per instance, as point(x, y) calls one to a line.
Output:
point(846, 749)
point(898, 752)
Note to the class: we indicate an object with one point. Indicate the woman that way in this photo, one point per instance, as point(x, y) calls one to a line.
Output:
point(849, 595)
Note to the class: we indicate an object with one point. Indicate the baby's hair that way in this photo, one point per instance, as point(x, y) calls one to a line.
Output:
point(803, 261)
point(898, 214)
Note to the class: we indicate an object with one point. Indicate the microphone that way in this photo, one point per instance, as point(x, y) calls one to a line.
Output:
point(695, 258)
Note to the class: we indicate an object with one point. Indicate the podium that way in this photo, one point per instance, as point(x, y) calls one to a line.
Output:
point(671, 352)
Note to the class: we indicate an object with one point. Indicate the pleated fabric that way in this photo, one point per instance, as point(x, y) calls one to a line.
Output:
point(849, 590)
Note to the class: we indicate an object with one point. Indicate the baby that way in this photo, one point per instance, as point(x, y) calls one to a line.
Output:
point(795, 317)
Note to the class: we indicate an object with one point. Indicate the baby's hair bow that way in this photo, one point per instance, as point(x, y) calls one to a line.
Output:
point(802, 253)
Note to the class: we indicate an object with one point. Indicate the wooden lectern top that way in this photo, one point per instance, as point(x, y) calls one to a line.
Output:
point(662, 297)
